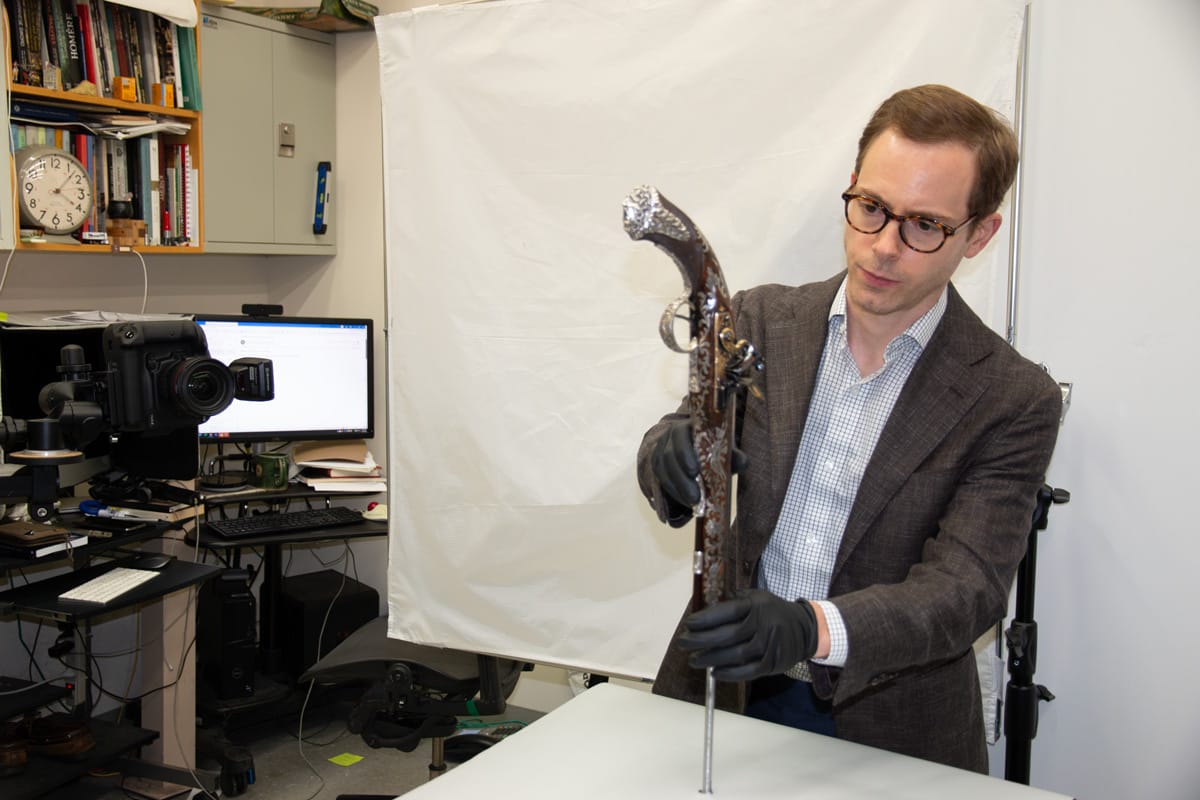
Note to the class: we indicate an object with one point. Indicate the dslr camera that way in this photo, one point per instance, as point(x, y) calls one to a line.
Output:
point(161, 378)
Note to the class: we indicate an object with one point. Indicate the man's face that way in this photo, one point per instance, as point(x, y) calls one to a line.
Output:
point(889, 285)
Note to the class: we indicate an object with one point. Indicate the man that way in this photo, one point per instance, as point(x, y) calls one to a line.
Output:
point(888, 476)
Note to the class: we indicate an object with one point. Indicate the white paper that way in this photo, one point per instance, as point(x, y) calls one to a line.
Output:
point(181, 12)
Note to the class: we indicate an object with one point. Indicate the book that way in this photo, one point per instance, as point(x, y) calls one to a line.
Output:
point(353, 451)
point(87, 44)
point(159, 505)
point(73, 70)
point(56, 45)
point(339, 466)
point(35, 539)
point(168, 59)
point(189, 69)
point(156, 510)
point(356, 483)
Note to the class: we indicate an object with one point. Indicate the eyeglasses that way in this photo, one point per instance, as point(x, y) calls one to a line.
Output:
point(925, 235)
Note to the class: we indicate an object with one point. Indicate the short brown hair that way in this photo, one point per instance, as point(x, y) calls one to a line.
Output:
point(933, 114)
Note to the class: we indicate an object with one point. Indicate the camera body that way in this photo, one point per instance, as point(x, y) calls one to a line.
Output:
point(161, 378)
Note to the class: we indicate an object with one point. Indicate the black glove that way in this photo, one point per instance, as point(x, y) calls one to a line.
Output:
point(754, 634)
point(676, 465)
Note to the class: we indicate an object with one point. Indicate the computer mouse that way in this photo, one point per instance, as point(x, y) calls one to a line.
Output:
point(376, 511)
point(153, 561)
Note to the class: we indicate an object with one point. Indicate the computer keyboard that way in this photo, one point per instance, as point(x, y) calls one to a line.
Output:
point(108, 586)
point(309, 519)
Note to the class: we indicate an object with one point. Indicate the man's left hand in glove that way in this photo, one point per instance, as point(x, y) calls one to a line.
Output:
point(754, 634)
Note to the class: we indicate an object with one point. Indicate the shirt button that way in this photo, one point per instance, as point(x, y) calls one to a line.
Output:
point(829, 465)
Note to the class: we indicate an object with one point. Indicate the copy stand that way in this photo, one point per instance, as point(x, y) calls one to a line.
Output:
point(1022, 695)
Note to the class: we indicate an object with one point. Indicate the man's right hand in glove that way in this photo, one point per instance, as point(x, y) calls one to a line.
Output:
point(676, 466)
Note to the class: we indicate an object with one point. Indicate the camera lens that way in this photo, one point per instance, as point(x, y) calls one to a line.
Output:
point(202, 387)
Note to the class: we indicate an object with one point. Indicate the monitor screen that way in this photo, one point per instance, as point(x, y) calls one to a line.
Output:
point(323, 372)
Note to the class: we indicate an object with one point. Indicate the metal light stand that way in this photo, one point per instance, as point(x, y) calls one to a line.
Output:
point(1022, 695)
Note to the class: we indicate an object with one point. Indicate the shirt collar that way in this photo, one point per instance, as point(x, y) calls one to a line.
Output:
point(920, 331)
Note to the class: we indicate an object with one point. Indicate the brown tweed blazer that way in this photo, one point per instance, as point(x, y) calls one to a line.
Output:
point(936, 533)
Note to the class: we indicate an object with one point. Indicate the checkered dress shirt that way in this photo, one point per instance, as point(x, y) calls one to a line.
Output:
point(847, 414)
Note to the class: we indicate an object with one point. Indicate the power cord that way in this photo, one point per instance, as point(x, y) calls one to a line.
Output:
point(346, 558)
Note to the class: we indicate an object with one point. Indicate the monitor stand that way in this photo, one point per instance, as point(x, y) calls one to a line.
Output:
point(222, 479)
point(225, 481)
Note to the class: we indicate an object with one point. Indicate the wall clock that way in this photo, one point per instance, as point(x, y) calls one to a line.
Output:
point(54, 191)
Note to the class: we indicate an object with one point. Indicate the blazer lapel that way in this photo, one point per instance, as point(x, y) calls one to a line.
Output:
point(791, 369)
point(940, 390)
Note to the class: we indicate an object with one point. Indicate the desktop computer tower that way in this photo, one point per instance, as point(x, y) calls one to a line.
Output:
point(227, 638)
point(303, 603)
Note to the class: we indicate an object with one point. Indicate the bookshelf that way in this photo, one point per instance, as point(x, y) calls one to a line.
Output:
point(168, 185)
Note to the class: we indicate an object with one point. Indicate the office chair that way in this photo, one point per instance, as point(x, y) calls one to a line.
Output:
point(415, 691)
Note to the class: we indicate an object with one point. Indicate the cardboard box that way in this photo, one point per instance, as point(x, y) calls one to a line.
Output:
point(330, 16)
point(125, 89)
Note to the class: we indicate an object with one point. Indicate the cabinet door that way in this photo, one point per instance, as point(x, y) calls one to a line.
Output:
point(236, 73)
point(305, 100)
point(260, 190)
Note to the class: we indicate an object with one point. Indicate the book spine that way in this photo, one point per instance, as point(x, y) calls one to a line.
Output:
point(133, 42)
point(191, 199)
point(164, 45)
point(87, 44)
point(103, 47)
point(149, 51)
point(101, 183)
point(120, 49)
point(56, 49)
point(73, 70)
point(28, 41)
point(150, 201)
point(190, 70)
point(79, 149)
point(37, 111)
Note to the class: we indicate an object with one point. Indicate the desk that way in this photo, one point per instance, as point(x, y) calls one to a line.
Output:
point(40, 599)
point(96, 545)
point(270, 652)
point(612, 741)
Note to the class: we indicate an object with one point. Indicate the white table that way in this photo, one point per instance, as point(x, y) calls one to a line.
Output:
point(616, 742)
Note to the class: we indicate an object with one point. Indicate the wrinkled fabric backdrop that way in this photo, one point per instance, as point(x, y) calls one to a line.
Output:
point(524, 361)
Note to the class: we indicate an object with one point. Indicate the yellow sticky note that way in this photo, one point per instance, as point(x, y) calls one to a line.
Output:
point(346, 759)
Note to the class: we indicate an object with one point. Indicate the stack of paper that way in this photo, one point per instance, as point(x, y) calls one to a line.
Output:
point(339, 467)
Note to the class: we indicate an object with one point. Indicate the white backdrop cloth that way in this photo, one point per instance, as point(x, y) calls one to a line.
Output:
point(524, 362)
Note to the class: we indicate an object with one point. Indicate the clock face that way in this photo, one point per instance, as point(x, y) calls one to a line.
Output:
point(54, 191)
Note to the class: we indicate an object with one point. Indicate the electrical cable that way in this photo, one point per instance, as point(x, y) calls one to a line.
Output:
point(192, 593)
point(137, 637)
point(35, 685)
point(345, 558)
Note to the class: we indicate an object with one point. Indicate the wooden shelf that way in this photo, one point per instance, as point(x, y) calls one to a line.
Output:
point(82, 101)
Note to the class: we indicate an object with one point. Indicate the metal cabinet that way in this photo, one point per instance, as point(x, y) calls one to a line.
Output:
point(268, 130)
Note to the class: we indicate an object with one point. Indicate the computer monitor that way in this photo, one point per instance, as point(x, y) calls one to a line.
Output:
point(323, 372)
